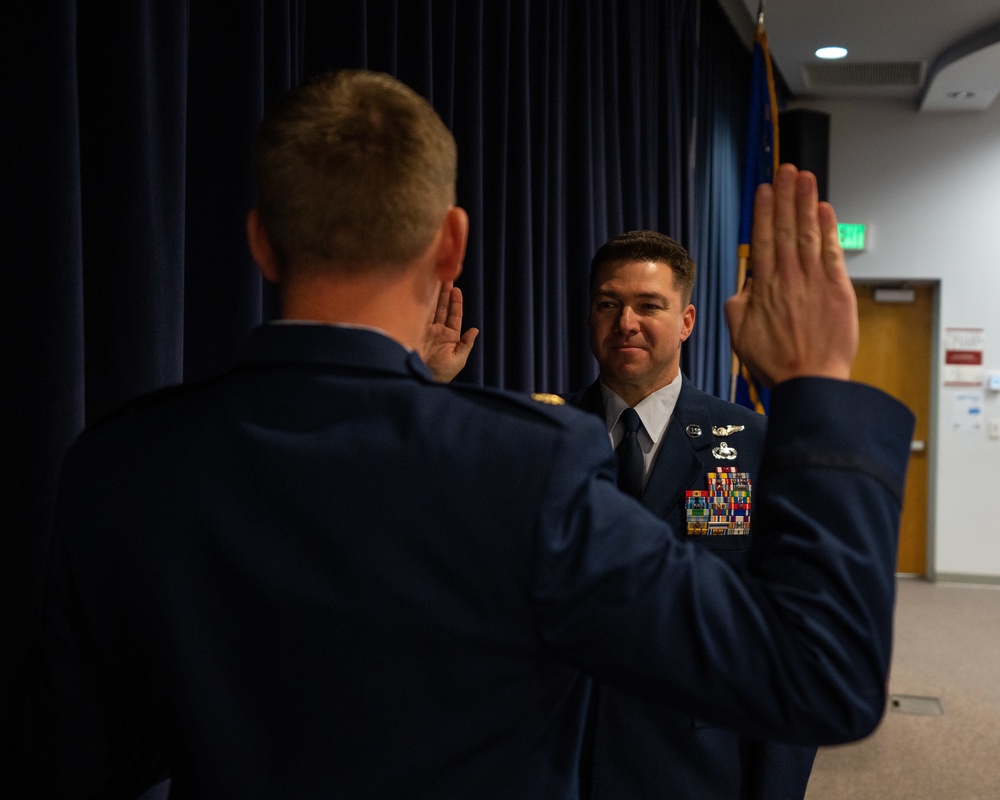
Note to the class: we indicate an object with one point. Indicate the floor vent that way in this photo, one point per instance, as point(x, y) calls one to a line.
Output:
point(912, 704)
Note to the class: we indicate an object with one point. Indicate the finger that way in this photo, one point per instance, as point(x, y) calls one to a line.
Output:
point(441, 310)
point(454, 309)
point(833, 254)
point(762, 237)
point(807, 222)
point(468, 339)
point(786, 245)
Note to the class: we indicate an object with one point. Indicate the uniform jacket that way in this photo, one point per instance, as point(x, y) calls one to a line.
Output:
point(639, 751)
point(324, 575)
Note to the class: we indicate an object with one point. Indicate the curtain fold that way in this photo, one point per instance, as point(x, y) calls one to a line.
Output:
point(41, 339)
point(132, 150)
point(722, 98)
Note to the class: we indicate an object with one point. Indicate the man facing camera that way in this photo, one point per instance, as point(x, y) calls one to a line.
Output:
point(696, 466)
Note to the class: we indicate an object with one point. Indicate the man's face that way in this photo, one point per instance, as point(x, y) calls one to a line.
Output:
point(637, 322)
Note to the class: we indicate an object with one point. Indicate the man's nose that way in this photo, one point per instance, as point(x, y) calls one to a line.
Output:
point(627, 321)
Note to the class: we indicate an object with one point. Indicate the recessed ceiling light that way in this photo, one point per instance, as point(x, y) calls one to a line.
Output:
point(831, 52)
point(960, 95)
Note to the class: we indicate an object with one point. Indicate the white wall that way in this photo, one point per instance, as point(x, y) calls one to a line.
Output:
point(928, 185)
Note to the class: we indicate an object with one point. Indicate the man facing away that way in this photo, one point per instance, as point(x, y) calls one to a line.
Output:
point(700, 460)
point(324, 574)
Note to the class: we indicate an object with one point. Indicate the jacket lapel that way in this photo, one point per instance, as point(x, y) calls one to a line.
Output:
point(678, 466)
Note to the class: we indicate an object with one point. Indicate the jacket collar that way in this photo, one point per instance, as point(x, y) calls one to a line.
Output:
point(677, 466)
point(330, 345)
point(589, 399)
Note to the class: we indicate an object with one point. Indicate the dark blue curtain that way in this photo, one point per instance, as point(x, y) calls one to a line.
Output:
point(124, 160)
point(124, 149)
point(573, 121)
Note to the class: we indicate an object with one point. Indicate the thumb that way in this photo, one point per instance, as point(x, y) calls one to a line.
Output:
point(465, 343)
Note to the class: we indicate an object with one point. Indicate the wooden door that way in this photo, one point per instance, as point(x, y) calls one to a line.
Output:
point(895, 355)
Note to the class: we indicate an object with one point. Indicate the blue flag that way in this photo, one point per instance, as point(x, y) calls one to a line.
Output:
point(760, 166)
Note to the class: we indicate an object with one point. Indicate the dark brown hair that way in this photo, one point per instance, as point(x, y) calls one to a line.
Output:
point(647, 246)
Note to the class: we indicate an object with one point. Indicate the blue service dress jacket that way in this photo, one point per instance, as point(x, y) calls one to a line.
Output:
point(324, 575)
point(635, 749)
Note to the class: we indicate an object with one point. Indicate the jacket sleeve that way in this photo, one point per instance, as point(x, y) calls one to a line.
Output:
point(795, 650)
point(777, 771)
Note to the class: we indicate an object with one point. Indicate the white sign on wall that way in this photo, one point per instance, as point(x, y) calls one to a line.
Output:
point(967, 411)
point(963, 356)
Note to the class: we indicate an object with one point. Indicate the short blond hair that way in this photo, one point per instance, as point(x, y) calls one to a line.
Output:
point(353, 168)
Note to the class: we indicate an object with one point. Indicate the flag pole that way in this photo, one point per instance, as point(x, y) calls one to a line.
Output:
point(760, 118)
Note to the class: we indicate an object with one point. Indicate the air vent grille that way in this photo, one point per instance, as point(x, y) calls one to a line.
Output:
point(875, 75)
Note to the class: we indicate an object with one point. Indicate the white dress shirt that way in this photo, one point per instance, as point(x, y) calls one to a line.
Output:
point(654, 411)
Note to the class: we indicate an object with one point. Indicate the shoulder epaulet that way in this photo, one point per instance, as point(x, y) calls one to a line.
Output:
point(548, 399)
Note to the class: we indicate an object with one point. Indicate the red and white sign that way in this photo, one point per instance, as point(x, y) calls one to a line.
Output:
point(963, 356)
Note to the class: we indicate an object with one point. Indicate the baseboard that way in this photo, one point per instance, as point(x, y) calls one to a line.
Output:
point(965, 577)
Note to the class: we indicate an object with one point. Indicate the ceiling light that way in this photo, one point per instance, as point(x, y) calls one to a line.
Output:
point(961, 95)
point(831, 52)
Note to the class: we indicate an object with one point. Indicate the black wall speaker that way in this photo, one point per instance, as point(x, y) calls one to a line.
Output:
point(804, 140)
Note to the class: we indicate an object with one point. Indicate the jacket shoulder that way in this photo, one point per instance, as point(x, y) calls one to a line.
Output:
point(149, 400)
point(547, 409)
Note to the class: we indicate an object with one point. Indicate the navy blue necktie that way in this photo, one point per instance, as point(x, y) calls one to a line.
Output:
point(631, 466)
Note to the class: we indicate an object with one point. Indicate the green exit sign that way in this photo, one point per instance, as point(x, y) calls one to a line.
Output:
point(852, 235)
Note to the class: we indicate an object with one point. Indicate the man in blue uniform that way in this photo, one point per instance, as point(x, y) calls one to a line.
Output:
point(699, 460)
point(325, 574)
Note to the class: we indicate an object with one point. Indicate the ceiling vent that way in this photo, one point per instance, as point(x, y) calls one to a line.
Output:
point(899, 75)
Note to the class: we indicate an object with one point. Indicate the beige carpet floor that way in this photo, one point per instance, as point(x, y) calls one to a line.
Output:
point(947, 645)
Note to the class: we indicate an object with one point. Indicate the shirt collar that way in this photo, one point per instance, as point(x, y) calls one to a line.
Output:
point(654, 411)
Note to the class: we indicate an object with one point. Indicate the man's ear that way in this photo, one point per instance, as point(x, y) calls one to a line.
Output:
point(451, 251)
point(687, 322)
point(260, 247)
